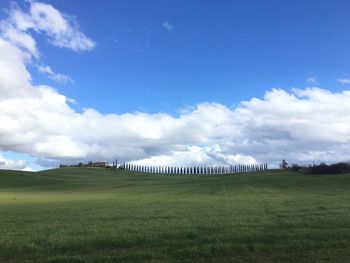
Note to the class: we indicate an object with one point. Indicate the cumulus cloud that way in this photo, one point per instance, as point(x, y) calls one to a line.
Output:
point(301, 125)
point(344, 81)
point(168, 27)
point(53, 75)
point(6, 164)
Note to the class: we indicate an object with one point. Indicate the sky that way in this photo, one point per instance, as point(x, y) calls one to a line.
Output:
point(174, 82)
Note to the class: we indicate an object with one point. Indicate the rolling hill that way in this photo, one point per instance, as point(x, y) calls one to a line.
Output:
point(100, 215)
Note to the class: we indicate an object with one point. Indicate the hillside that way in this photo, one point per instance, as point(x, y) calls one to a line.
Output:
point(97, 215)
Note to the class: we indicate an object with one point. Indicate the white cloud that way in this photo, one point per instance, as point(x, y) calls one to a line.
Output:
point(19, 38)
point(14, 77)
point(41, 17)
point(168, 27)
point(6, 164)
point(344, 81)
point(303, 125)
point(203, 156)
point(54, 76)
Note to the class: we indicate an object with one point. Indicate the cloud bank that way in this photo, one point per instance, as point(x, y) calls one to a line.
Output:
point(13, 164)
point(302, 125)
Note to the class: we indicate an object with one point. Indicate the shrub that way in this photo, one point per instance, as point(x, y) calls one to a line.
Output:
point(323, 168)
point(295, 167)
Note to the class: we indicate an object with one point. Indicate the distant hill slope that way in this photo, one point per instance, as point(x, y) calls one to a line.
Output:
point(96, 178)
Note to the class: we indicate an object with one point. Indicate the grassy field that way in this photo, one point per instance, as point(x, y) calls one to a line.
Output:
point(96, 215)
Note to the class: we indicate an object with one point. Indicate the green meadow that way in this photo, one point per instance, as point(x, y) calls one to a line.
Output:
point(98, 215)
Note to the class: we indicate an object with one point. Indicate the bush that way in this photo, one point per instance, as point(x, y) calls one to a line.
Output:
point(295, 167)
point(323, 168)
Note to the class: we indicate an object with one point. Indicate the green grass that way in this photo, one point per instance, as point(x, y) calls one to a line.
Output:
point(96, 215)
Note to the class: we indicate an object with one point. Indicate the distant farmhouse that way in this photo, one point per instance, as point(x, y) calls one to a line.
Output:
point(99, 164)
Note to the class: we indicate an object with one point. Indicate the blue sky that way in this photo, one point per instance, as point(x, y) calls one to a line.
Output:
point(224, 51)
point(182, 78)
